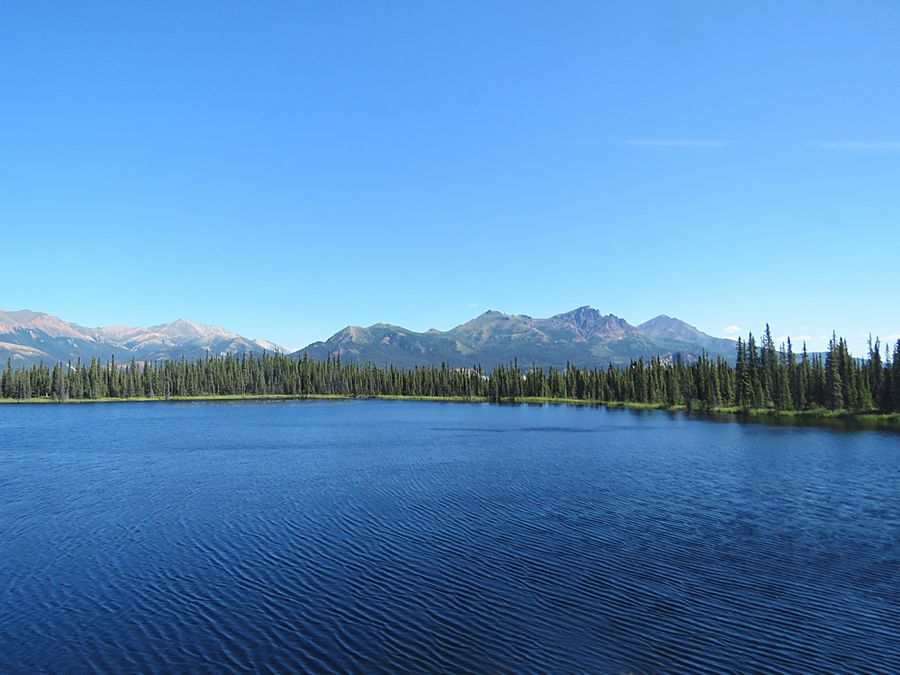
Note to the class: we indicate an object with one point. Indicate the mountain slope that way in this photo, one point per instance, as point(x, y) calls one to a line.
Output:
point(584, 337)
point(28, 337)
point(675, 331)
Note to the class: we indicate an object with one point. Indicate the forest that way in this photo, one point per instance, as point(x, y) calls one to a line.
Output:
point(761, 377)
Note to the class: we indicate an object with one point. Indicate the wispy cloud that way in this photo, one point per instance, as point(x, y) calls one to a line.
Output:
point(678, 142)
point(474, 304)
point(731, 330)
point(855, 145)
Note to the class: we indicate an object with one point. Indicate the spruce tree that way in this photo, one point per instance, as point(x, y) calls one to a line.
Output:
point(835, 382)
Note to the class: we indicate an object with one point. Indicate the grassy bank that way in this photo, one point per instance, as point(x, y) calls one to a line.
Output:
point(820, 415)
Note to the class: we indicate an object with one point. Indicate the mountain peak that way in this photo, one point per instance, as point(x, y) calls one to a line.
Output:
point(585, 312)
point(586, 323)
point(185, 328)
point(676, 331)
point(667, 325)
point(28, 320)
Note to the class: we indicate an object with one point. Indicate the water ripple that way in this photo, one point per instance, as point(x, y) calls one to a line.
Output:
point(398, 537)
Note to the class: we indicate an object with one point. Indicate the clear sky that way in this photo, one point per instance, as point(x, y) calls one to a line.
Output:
point(284, 169)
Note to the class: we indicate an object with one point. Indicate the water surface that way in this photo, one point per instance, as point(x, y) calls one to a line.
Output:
point(409, 536)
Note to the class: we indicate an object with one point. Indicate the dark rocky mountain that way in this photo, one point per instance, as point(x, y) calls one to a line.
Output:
point(584, 337)
point(29, 337)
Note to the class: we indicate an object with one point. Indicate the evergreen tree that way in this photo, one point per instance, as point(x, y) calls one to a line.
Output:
point(834, 380)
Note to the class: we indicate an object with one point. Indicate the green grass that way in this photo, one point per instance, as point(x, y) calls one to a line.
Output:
point(815, 413)
point(822, 415)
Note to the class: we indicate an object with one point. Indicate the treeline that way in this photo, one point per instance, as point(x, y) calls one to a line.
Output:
point(762, 377)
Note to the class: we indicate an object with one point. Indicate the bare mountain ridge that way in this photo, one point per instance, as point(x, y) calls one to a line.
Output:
point(28, 337)
point(584, 336)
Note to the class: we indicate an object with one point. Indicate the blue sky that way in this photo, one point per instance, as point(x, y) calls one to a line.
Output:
point(284, 169)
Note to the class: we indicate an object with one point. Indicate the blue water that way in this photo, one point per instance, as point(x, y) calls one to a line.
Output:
point(400, 536)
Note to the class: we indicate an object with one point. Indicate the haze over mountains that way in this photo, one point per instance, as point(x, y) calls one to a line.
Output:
point(584, 337)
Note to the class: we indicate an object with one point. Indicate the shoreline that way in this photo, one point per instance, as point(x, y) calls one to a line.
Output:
point(821, 416)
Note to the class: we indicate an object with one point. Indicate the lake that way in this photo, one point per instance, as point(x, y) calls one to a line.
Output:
point(416, 536)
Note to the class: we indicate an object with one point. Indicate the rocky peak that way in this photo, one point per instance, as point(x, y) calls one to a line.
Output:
point(587, 323)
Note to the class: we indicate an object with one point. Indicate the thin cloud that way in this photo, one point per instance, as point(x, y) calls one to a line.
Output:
point(855, 145)
point(731, 330)
point(677, 142)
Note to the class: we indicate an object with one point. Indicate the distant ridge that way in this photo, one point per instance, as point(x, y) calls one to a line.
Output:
point(28, 337)
point(584, 337)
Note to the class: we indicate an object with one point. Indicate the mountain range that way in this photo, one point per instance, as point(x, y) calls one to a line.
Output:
point(28, 338)
point(584, 337)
